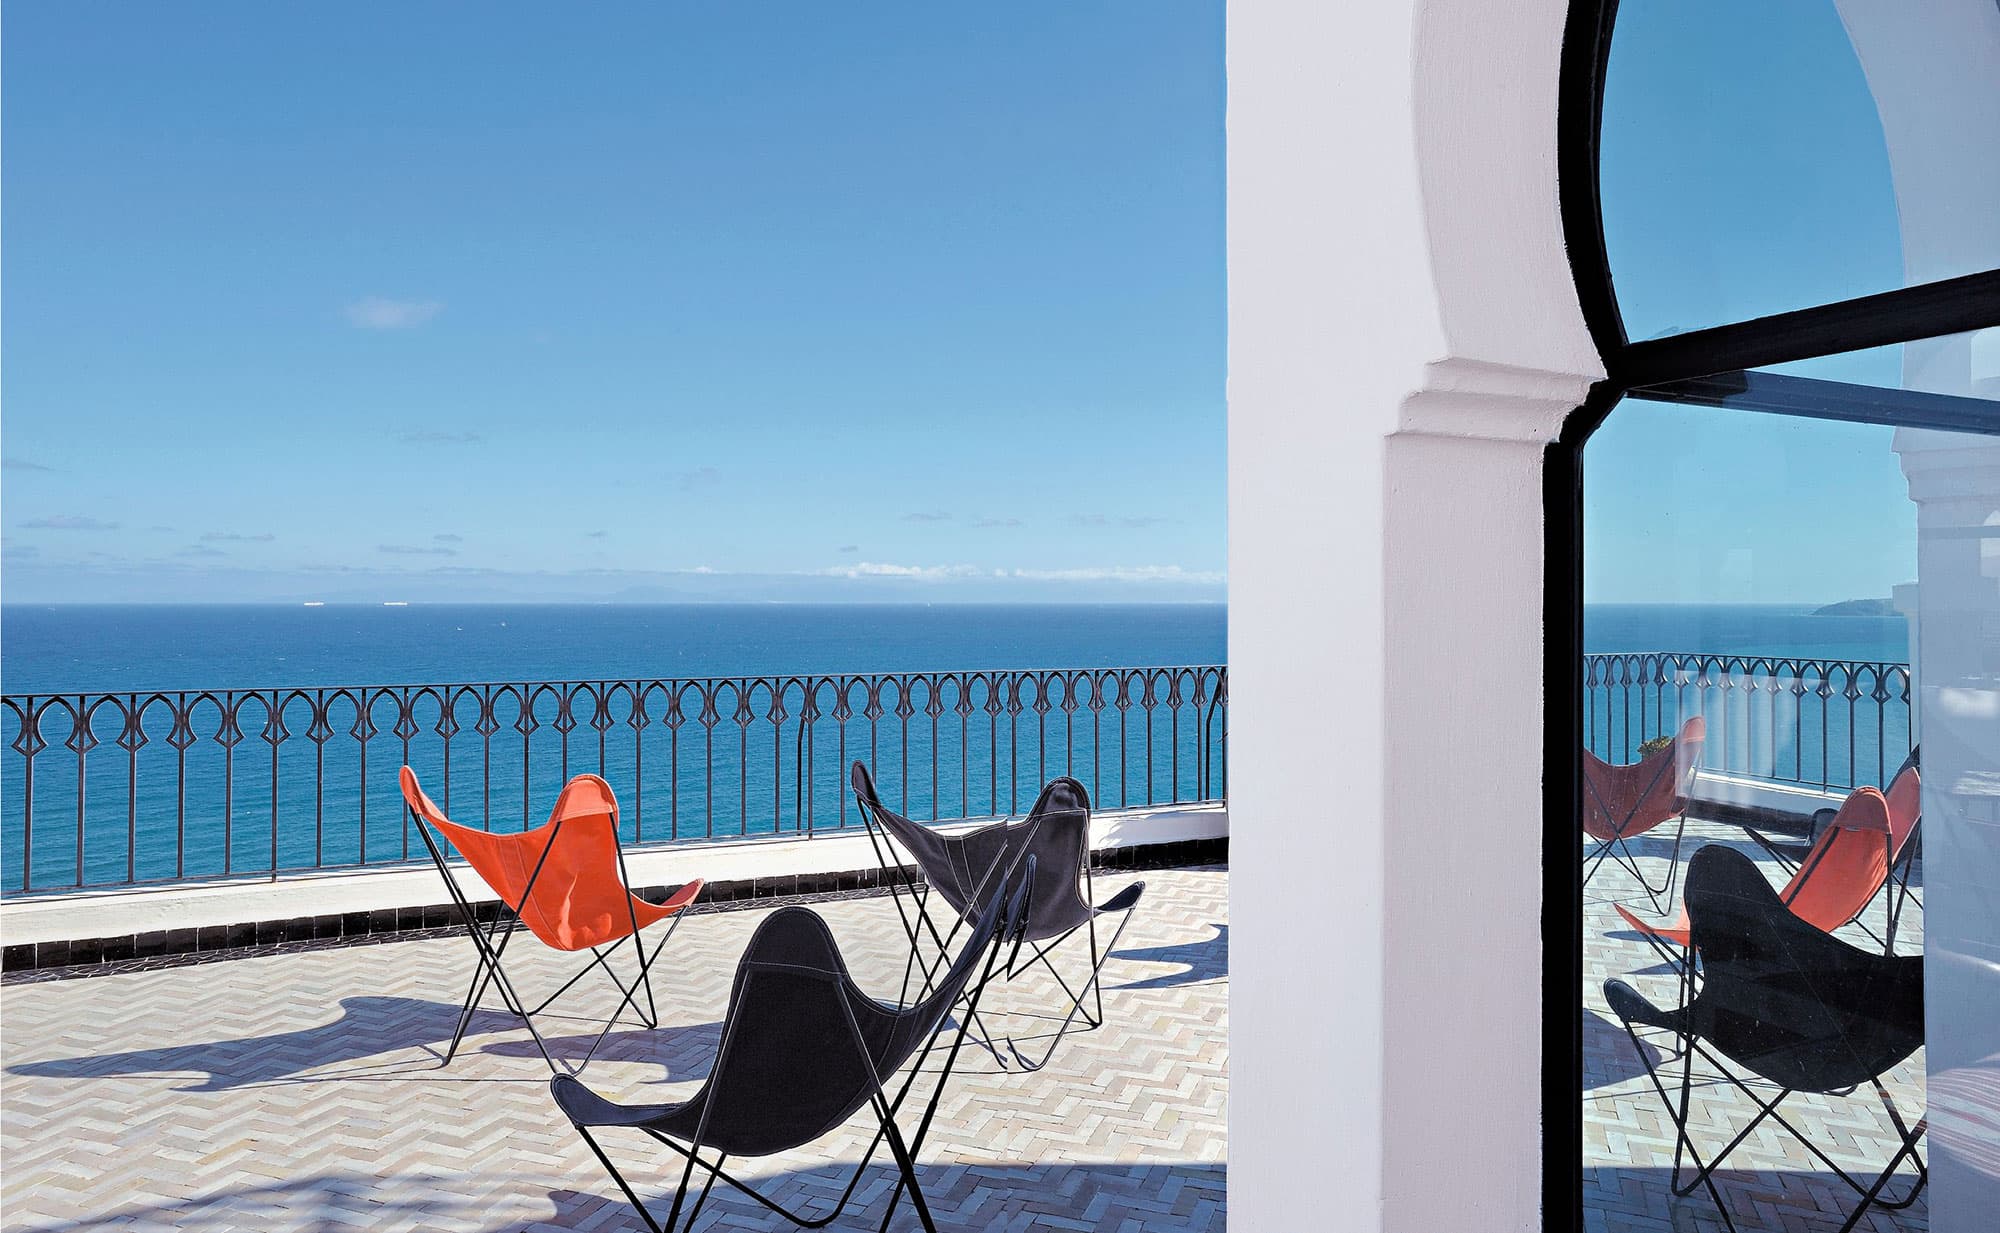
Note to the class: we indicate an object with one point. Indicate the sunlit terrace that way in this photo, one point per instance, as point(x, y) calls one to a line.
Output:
point(302, 1089)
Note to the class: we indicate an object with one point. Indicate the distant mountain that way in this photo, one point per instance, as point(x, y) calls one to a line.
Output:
point(1858, 607)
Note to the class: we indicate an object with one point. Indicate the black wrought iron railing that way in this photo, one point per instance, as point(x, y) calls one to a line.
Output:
point(1832, 724)
point(124, 789)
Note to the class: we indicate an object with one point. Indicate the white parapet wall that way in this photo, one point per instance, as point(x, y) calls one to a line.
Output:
point(191, 905)
point(1764, 795)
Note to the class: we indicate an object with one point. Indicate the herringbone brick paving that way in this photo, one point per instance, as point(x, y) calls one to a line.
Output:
point(302, 1091)
point(1770, 1182)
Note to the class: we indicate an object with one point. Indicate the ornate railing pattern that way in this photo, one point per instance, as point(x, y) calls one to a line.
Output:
point(1826, 723)
point(267, 781)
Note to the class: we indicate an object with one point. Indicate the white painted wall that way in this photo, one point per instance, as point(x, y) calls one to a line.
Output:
point(116, 913)
point(1403, 341)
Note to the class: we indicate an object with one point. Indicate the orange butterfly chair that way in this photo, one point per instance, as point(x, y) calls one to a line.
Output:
point(1848, 864)
point(565, 881)
point(1620, 803)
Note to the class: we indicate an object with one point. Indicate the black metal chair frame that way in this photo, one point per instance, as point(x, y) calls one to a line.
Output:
point(917, 919)
point(880, 1103)
point(491, 942)
point(1632, 1008)
point(1897, 887)
point(1703, 1176)
point(1627, 859)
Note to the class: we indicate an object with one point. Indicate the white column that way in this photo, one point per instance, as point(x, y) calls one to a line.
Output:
point(1404, 339)
point(1955, 481)
point(1935, 80)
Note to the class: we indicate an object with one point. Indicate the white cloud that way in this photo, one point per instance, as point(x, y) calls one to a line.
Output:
point(1121, 573)
point(1106, 573)
point(233, 537)
point(413, 550)
point(1132, 521)
point(880, 569)
point(22, 464)
point(69, 522)
point(377, 313)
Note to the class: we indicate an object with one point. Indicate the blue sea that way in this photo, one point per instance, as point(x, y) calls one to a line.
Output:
point(1789, 630)
point(238, 740)
point(267, 738)
point(1818, 701)
point(108, 648)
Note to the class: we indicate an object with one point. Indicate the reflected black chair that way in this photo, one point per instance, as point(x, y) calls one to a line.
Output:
point(803, 1049)
point(1795, 1007)
point(961, 868)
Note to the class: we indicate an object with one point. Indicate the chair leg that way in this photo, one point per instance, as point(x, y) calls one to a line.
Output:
point(631, 1196)
point(908, 1166)
point(1092, 986)
point(1620, 853)
point(473, 993)
point(630, 994)
point(491, 971)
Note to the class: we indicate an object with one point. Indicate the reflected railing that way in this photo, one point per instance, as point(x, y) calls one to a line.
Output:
point(126, 789)
point(1830, 724)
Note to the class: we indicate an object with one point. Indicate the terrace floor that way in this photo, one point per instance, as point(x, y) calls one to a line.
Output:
point(302, 1091)
point(1770, 1182)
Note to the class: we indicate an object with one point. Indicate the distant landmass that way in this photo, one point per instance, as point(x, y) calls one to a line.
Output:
point(1858, 607)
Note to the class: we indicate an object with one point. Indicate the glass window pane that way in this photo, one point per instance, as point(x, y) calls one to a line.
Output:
point(1758, 158)
point(1790, 823)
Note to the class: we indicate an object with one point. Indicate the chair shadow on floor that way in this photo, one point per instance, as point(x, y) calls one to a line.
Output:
point(1028, 1197)
point(398, 1038)
point(1608, 1058)
point(1203, 959)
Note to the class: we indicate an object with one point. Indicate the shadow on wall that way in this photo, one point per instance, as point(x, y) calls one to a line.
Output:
point(369, 1028)
point(1149, 1197)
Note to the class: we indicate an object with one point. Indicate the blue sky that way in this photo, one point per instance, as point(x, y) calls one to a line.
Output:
point(879, 301)
point(1744, 173)
point(745, 301)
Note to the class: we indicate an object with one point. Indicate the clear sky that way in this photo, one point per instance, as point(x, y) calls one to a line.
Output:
point(1744, 173)
point(797, 301)
point(426, 300)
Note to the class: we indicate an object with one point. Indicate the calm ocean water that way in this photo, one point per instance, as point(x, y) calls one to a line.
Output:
point(1743, 629)
point(139, 647)
point(219, 796)
point(142, 647)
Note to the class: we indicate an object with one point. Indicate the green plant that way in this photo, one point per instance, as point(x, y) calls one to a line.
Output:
point(1649, 748)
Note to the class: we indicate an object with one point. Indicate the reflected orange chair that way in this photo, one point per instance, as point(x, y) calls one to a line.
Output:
point(1847, 866)
point(565, 882)
point(1621, 803)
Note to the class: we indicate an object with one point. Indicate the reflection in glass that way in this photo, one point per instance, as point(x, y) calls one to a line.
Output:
point(1809, 1035)
point(1759, 158)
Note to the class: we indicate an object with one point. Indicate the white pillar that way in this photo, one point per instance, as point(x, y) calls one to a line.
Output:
point(1404, 339)
point(1955, 481)
point(1935, 80)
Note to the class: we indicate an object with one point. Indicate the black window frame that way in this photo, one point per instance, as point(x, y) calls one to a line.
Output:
point(1716, 366)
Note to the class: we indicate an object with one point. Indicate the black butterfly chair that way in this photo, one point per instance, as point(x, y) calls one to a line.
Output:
point(803, 1049)
point(962, 868)
point(1795, 1006)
